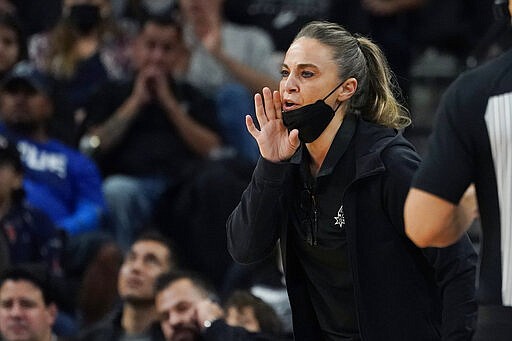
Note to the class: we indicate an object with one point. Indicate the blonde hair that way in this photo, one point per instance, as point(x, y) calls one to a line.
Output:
point(376, 96)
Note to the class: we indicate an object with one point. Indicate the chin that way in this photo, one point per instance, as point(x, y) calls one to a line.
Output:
point(186, 333)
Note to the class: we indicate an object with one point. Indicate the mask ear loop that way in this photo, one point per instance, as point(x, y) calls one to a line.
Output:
point(339, 105)
point(330, 93)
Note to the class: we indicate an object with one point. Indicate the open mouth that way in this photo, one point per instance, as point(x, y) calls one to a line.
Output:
point(289, 105)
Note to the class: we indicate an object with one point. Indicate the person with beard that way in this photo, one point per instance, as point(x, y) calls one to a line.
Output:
point(187, 308)
point(148, 133)
point(136, 318)
point(27, 308)
point(330, 185)
point(58, 179)
point(86, 48)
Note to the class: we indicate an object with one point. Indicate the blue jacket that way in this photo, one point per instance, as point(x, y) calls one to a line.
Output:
point(401, 292)
point(61, 182)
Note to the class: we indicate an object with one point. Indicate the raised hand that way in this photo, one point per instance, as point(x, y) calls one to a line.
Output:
point(207, 310)
point(274, 141)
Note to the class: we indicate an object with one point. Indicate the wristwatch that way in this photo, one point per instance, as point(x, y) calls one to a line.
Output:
point(208, 323)
point(89, 144)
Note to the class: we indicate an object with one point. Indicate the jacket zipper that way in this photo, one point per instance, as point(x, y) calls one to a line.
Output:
point(314, 228)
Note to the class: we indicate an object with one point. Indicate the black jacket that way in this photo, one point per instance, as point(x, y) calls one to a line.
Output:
point(109, 328)
point(401, 292)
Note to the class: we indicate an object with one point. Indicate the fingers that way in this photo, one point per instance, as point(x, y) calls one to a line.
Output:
point(251, 127)
point(268, 101)
point(259, 109)
point(276, 97)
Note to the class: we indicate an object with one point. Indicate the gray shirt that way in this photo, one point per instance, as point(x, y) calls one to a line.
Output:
point(246, 44)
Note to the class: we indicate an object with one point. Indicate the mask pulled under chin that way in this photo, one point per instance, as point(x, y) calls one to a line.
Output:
point(310, 120)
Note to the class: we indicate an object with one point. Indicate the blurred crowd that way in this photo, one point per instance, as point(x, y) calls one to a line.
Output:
point(123, 147)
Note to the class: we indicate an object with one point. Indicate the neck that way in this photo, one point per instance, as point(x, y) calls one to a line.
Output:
point(48, 336)
point(40, 135)
point(36, 132)
point(318, 149)
point(87, 45)
point(137, 318)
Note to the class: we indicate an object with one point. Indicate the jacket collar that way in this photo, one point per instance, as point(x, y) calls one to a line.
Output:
point(368, 141)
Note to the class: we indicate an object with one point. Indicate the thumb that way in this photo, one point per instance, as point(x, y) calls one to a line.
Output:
point(293, 138)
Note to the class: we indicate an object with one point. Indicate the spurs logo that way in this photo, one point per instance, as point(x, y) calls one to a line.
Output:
point(340, 218)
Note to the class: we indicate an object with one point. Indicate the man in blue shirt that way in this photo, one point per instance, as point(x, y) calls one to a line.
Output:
point(58, 179)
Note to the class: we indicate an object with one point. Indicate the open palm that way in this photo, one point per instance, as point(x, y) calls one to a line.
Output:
point(274, 141)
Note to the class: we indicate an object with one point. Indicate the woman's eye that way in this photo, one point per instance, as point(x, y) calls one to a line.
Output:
point(307, 74)
point(284, 73)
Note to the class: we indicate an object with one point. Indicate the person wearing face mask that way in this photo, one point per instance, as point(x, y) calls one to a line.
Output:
point(140, 10)
point(85, 49)
point(330, 185)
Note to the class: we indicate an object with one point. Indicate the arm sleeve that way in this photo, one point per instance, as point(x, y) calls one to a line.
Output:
point(455, 274)
point(447, 169)
point(255, 225)
point(89, 203)
point(220, 331)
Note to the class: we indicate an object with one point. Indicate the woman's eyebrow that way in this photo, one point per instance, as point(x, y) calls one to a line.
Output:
point(302, 66)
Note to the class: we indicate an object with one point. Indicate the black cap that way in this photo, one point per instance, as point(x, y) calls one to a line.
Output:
point(26, 73)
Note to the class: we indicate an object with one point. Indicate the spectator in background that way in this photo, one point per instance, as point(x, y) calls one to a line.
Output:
point(36, 16)
point(27, 307)
point(30, 236)
point(245, 310)
point(140, 10)
point(263, 279)
point(12, 43)
point(391, 25)
point(4, 253)
point(228, 63)
point(186, 306)
point(6, 6)
point(148, 133)
point(58, 180)
point(85, 49)
point(281, 19)
point(149, 256)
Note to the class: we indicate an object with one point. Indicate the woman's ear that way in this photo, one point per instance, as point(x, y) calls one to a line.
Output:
point(348, 88)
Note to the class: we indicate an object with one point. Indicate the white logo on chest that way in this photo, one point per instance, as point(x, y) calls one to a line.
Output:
point(340, 218)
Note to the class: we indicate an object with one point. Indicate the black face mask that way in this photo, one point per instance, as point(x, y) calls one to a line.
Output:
point(84, 17)
point(311, 120)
